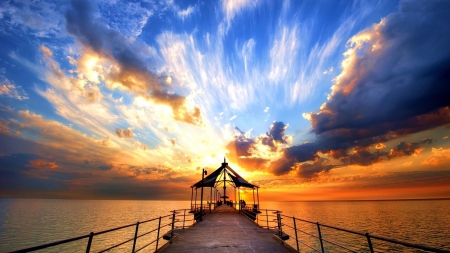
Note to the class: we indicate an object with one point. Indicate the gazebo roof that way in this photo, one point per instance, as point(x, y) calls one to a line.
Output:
point(211, 179)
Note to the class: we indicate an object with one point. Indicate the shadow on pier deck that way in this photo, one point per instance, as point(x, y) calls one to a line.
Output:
point(225, 230)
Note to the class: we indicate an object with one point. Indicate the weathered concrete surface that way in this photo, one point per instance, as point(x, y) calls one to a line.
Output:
point(225, 230)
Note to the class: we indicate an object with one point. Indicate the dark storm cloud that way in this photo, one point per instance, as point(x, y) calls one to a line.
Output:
point(275, 135)
point(363, 156)
point(395, 81)
point(240, 147)
point(241, 144)
point(408, 148)
point(405, 76)
point(308, 170)
point(240, 150)
point(16, 162)
point(19, 179)
point(277, 131)
point(133, 73)
point(292, 155)
point(105, 167)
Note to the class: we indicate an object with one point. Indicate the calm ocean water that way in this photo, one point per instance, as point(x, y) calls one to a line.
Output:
point(29, 222)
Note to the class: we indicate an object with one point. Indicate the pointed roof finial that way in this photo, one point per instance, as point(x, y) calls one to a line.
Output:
point(224, 160)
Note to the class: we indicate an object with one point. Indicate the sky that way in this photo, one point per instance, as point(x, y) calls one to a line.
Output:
point(310, 100)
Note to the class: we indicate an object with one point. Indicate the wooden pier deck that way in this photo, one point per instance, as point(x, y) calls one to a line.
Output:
point(225, 230)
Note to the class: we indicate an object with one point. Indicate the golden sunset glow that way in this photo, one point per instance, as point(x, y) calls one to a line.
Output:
point(306, 103)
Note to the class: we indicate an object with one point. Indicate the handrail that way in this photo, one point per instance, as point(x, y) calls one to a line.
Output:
point(47, 245)
point(262, 212)
point(172, 217)
point(265, 213)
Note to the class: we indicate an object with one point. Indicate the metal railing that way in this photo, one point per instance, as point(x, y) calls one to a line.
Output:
point(160, 228)
point(273, 219)
point(206, 207)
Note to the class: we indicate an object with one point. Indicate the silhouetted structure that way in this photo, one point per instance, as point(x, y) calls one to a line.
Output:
point(221, 177)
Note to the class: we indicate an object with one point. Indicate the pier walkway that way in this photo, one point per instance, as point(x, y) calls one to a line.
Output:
point(225, 230)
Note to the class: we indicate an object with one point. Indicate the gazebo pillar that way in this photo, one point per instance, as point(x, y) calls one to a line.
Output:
point(195, 203)
point(257, 194)
point(192, 195)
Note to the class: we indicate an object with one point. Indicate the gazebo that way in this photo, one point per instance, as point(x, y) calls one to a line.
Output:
point(220, 178)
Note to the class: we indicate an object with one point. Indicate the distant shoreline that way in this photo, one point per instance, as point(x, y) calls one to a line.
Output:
point(341, 200)
point(360, 200)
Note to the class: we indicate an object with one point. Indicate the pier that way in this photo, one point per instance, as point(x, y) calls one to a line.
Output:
point(224, 225)
point(225, 230)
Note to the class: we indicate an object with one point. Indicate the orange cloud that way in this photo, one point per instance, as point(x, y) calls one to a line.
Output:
point(39, 163)
point(439, 156)
point(10, 90)
point(47, 52)
point(123, 64)
point(380, 146)
point(4, 128)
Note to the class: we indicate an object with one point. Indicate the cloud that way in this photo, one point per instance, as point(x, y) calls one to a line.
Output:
point(293, 155)
point(328, 71)
point(407, 149)
point(240, 147)
point(105, 167)
point(39, 18)
point(363, 155)
point(4, 128)
point(255, 153)
point(183, 14)
point(277, 130)
point(232, 7)
point(438, 156)
point(394, 82)
point(8, 89)
point(125, 133)
point(129, 17)
point(40, 163)
point(127, 68)
point(380, 83)
point(319, 165)
point(283, 52)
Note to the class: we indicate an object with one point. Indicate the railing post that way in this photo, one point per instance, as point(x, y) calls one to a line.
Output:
point(320, 238)
point(173, 226)
point(88, 247)
point(296, 237)
point(280, 229)
point(135, 236)
point(369, 242)
point(157, 234)
point(184, 217)
point(280, 226)
point(267, 219)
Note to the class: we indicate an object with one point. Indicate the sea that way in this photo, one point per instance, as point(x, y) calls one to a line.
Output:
point(30, 222)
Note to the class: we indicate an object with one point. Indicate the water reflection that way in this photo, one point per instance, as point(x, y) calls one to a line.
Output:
point(421, 222)
point(29, 222)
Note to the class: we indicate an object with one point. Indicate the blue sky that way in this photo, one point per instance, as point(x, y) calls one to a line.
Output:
point(128, 99)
